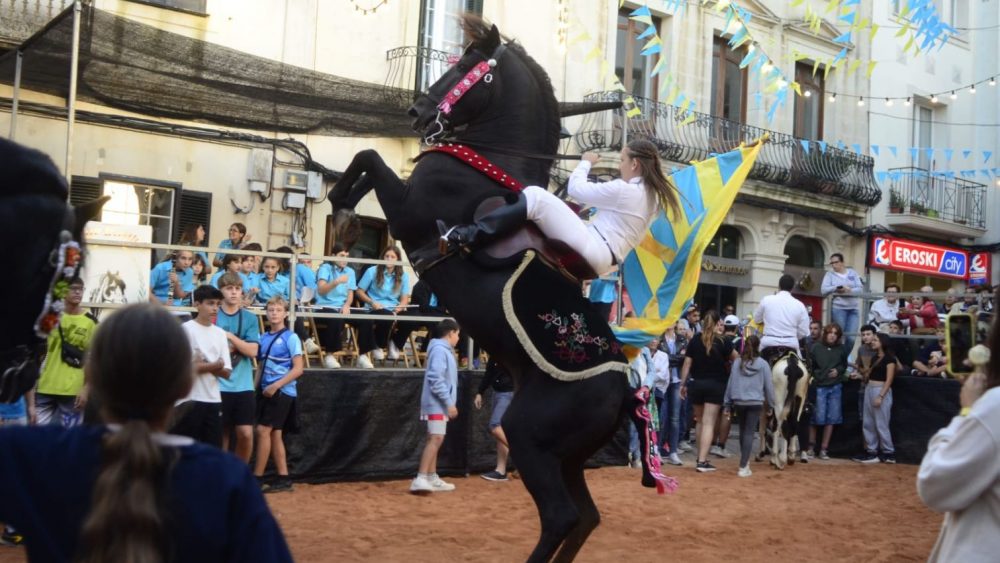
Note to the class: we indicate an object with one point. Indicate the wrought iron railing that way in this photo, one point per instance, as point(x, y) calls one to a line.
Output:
point(411, 70)
point(914, 191)
point(783, 160)
point(20, 19)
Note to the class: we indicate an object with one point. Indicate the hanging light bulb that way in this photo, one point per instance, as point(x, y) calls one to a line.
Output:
point(993, 81)
point(972, 89)
point(888, 103)
point(832, 99)
point(907, 102)
point(861, 101)
point(954, 96)
point(807, 94)
point(934, 98)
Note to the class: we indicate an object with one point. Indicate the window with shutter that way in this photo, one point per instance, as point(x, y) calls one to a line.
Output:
point(83, 189)
point(195, 209)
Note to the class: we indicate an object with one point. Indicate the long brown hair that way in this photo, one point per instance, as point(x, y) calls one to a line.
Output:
point(127, 515)
point(397, 270)
point(645, 153)
point(751, 351)
point(708, 335)
point(993, 368)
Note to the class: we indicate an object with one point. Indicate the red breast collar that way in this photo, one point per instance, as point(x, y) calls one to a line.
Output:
point(478, 162)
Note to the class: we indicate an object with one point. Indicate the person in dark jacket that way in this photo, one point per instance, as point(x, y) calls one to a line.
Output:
point(829, 368)
point(502, 383)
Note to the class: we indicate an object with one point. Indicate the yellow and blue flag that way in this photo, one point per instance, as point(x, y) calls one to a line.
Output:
point(661, 274)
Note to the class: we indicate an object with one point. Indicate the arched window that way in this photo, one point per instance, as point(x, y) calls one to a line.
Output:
point(805, 252)
point(725, 243)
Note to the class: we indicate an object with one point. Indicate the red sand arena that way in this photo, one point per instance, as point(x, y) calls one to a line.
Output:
point(824, 511)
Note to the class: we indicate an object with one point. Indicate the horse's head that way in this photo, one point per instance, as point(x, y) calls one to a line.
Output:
point(466, 89)
point(35, 222)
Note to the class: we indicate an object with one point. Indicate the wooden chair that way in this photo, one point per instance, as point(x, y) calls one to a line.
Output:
point(349, 351)
point(420, 354)
point(309, 323)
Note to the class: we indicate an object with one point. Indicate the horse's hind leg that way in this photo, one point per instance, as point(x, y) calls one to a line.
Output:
point(542, 476)
point(590, 517)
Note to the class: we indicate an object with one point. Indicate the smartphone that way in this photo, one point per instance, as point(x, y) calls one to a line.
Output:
point(959, 338)
point(840, 287)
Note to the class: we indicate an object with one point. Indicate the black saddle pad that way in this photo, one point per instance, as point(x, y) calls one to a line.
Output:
point(556, 326)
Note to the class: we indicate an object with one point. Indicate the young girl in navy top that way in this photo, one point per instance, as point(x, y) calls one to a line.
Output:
point(384, 290)
point(134, 493)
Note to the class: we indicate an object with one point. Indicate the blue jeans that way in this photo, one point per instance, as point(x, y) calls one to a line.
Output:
point(829, 405)
point(670, 416)
point(848, 320)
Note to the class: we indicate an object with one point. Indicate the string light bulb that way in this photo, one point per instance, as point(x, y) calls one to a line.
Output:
point(972, 89)
point(832, 99)
point(993, 81)
point(907, 102)
point(861, 101)
point(954, 96)
point(888, 103)
point(934, 98)
point(807, 94)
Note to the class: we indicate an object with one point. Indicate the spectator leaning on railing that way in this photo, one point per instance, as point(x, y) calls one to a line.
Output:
point(885, 310)
point(921, 312)
point(843, 283)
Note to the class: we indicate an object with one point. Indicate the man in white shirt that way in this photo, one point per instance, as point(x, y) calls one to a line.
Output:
point(199, 415)
point(785, 319)
point(885, 310)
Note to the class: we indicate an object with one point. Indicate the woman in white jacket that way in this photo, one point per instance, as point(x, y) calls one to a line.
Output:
point(960, 474)
point(625, 209)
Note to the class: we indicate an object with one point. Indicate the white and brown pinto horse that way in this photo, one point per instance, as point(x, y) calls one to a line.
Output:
point(779, 432)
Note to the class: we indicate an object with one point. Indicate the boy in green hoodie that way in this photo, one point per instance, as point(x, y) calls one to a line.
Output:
point(829, 368)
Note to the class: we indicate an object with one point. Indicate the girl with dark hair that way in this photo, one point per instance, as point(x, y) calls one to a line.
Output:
point(960, 473)
point(238, 238)
point(706, 361)
point(625, 209)
point(200, 270)
point(749, 386)
point(878, 403)
point(383, 290)
point(135, 493)
point(194, 235)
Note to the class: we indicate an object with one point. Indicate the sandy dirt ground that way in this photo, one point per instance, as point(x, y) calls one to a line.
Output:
point(824, 511)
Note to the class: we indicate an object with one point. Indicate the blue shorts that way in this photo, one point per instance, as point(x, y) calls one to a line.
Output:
point(501, 400)
point(828, 405)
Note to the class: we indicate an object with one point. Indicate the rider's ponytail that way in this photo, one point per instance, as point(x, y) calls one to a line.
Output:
point(644, 152)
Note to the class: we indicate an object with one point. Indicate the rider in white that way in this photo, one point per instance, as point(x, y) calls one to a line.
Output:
point(625, 209)
point(785, 319)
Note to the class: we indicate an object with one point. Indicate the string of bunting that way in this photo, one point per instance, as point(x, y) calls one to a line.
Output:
point(971, 168)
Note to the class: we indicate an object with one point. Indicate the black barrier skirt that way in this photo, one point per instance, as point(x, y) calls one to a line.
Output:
point(365, 425)
point(920, 407)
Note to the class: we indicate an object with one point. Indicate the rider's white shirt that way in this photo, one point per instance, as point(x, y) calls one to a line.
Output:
point(785, 320)
point(624, 209)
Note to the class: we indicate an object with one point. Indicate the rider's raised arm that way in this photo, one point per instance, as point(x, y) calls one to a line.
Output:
point(603, 194)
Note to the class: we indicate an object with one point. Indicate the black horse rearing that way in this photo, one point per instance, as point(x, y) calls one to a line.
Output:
point(553, 426)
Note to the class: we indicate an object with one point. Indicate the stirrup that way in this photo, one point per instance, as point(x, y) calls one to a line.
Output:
point(444, 245)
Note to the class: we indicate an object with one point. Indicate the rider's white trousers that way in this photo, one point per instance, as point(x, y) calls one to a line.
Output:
point(559, 222)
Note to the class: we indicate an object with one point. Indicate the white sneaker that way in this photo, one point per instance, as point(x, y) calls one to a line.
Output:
point(393, 351)
point(718, 452)
point(439, 486)
point(684, 446)
point(310, 346)
point(421, 485)
point(378, 354)
point(331, 362)
point(365, 363)
point(674, 459)
point(744, 472)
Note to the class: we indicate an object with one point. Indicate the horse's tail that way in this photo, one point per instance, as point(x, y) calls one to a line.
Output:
point(635, 402)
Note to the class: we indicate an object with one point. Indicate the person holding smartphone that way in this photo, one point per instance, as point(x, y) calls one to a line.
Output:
point(960, 473)
point(843, 284)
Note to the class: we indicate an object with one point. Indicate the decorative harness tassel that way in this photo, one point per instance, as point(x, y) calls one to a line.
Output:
point(664, 484)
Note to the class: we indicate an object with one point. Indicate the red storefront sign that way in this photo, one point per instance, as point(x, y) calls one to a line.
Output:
point(979, 268)
point(904, 255)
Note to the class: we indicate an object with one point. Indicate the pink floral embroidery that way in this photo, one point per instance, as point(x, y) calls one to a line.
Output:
point(573, 340)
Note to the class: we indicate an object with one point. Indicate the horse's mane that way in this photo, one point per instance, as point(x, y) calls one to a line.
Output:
point(477, 30)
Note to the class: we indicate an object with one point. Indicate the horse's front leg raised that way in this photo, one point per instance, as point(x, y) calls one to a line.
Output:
point(366, 170)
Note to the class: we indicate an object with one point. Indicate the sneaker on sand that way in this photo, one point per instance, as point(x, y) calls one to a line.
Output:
point(804, 457)
point(718, 451)
point(421, 485)
point(888, 458)
point(439, 486)
point(364, 362)
point(279, 485)
point(378, 354)
point(310, 346)
point(684, 446)
point(744, 472)
point(393, 351)
point(494, 476)
point(674, 459)
point(330, 362)
point(823, 455)
point(704, 467)
point(867, 457)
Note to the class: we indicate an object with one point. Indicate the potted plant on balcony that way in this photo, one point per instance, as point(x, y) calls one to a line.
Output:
point(895, 202)
point(917, 208)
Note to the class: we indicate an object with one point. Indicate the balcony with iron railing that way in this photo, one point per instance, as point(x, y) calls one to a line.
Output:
point(944, 206)
point(410, 71)
point(831, 172)
point(20, 19)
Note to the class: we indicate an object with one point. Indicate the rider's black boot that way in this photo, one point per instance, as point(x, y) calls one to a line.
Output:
point(494, 225)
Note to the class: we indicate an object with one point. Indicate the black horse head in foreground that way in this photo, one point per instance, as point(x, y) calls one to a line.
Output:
point(505, 109)
point(33, 216)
